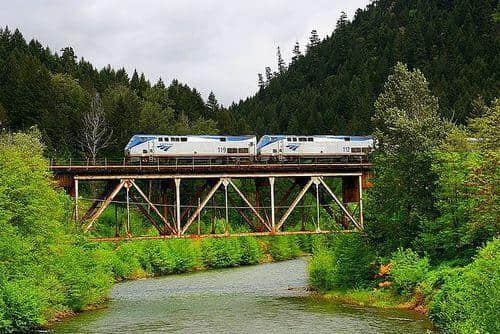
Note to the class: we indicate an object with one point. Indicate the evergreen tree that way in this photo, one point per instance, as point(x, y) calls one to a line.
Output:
point(143, 85)
point(408, 129)
point(296, 52)
point(342, 21)
point(313, 40)
point(134, 82)
point(212, 104)
point(269, 75)
point(281, 62)
point(68, 60)
point(261, 82)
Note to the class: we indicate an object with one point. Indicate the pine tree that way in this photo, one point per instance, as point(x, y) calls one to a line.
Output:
point(143, 85)
point(281, 62)
point(261, 82)
point(313, 40)
point(212, 104)
point(134, 82)
point(296, 52)
point(121, 77)
point(269, 75)
point(68, 60)
point(342, 21)
point(160, 84)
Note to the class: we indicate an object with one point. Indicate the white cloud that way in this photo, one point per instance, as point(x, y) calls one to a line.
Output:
point(210, 45)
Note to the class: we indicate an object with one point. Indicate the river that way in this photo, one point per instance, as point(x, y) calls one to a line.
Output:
point(267, 298)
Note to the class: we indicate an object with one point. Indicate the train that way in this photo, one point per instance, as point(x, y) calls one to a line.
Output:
point(269, 148)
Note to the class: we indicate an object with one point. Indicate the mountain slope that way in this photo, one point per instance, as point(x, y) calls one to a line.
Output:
point(332, 88)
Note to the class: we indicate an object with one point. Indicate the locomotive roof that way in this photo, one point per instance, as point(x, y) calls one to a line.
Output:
point(199, 136)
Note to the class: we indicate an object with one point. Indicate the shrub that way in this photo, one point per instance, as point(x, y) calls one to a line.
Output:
point(22, 306)
point(221, 253)
point(321, 270)
point(251, 250)
point(469, 300)
point(353, 261)
point(126, 262)
point(408, 270)
point(347, 263)
point(185, 256)
point(85, 280)
point(283, 247)
point(434, 280)
point(158, 259)
point(305, 242)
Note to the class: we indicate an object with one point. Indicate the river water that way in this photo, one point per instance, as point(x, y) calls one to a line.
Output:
point(267, 298)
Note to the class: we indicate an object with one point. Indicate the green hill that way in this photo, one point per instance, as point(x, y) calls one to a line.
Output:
point(331, 89)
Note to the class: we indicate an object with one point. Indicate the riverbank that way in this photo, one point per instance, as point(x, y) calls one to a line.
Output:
point(128, 261)
point(458, 299)
point(263, 298)
point(373, 298)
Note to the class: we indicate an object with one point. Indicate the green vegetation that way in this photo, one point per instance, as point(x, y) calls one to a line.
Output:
point(330, 85)
point(408, 270)
point(45, 268)
point(345, 263)
point(48, 270)
point(432, 209)
point(283, 247)
point(469, 299)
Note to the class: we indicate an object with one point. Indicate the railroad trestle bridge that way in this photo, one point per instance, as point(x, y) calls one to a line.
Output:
point(173, 197)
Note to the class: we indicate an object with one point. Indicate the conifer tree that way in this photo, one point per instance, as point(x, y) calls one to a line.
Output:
point(68, 59)
point(342, 21)
point(296, 52)
point(212, 104)
point(281, 62)
point(134, 82)
point(261, 82)
point(269, 75)
point(313, 40)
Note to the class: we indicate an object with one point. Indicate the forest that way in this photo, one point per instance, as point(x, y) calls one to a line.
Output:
point(420, 76)
point(329, 87)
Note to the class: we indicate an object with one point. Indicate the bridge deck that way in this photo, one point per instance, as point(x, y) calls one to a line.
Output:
point(110, 170)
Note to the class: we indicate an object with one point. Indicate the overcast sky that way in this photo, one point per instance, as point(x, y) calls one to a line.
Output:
point(210, 45)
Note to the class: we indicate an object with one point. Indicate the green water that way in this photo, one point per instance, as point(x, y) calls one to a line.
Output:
point(268, 298)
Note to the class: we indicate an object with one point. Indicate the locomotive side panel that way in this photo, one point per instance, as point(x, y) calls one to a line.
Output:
point(291, 146)
point(191, 146)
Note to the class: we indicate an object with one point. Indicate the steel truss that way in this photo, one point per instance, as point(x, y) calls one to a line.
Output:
point(171, 222)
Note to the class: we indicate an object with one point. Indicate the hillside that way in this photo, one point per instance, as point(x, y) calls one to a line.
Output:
point(331, 89)
point(54, 91)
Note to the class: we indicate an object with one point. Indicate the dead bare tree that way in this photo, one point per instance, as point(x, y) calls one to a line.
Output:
point(95, 135)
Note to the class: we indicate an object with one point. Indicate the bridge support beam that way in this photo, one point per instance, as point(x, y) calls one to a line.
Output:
point(294, 203)
point(316, 183)
point(342, 207)
point(259, 221)
point(360, 185)
point(104, 205)
point(273, 211)
point(178, 205)
point(76, 201)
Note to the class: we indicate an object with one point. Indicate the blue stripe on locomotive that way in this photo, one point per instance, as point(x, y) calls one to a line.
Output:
point(137, 140)
point(267, 140)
